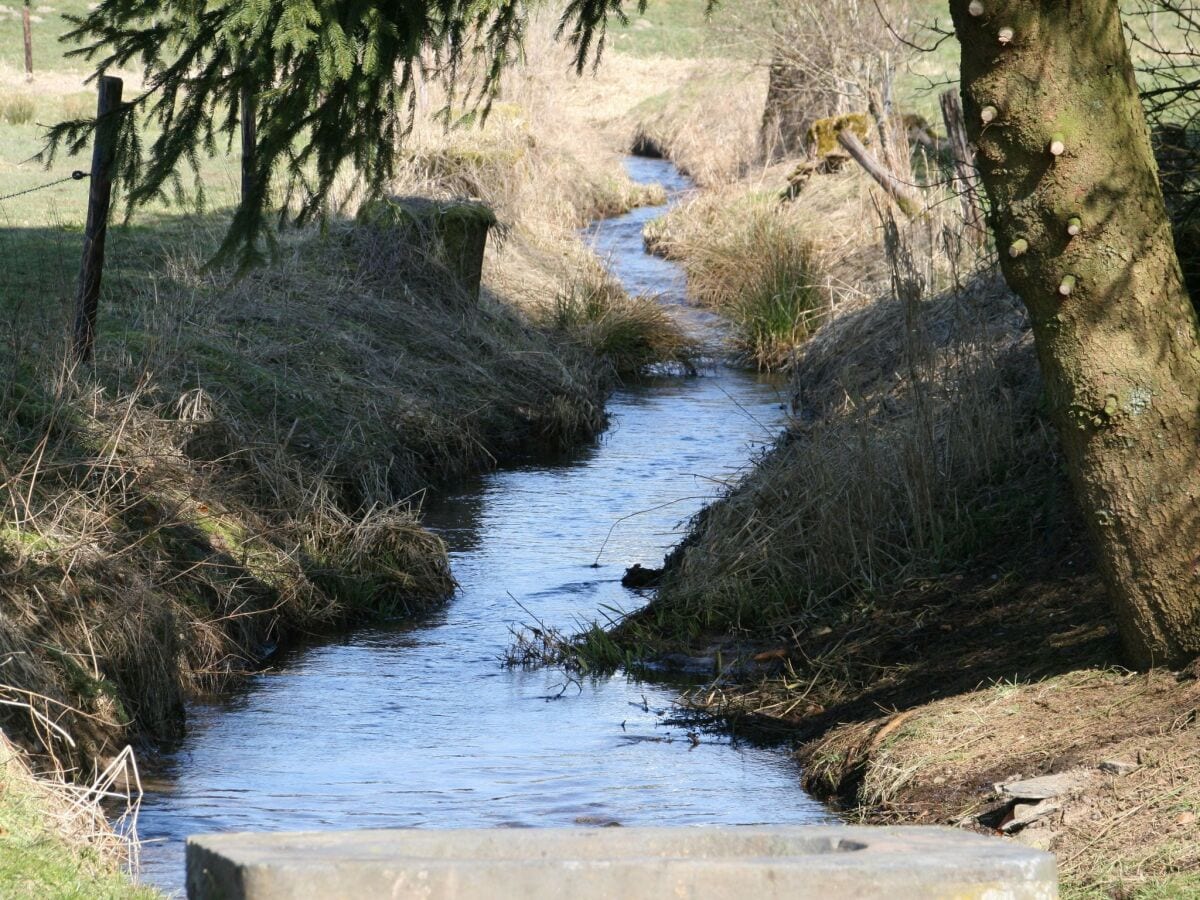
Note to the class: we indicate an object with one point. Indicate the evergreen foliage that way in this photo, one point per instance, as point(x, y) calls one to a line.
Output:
point(333, 79)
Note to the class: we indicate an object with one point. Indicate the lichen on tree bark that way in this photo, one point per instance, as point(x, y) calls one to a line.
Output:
point(1116, 333)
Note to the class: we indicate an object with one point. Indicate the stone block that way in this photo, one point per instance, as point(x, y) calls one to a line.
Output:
point(707, 863)
point(453, 233)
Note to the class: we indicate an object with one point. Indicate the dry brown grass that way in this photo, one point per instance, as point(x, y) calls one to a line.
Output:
point(917, 444)
point(707, 125)
point(632, 333)
point(749, 258)
point(136, 573)
point(55, 836)
point(1114, 835)
point(246, 461)
point(917, 438)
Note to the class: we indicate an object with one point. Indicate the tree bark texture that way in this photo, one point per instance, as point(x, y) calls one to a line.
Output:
point(786, 114)
point(1064, 153)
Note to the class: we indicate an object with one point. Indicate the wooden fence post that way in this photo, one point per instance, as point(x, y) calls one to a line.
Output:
point(249, 141)
point(964, 167)
point(108, 120)
point(27, 27)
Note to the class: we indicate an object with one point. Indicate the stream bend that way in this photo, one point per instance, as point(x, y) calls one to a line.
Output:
point(419, 726)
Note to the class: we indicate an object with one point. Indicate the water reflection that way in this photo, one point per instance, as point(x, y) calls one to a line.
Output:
point(419, 725)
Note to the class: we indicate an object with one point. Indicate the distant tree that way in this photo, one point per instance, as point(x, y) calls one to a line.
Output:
point(1064, 153)
point(333, 79)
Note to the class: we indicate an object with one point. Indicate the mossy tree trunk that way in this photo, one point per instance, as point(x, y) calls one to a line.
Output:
point(1064, 154)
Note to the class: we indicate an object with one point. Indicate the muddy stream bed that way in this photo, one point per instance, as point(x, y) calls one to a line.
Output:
point(420, 725)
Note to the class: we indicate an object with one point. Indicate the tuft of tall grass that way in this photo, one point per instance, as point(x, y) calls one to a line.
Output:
point(17, 110)
point(776, 301)
point(632, 333)
point(749, 259)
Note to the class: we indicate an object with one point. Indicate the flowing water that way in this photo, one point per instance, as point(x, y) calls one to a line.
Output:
point(419, 725)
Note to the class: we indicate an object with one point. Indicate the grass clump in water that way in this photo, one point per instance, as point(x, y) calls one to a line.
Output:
point(747, 258)
point(632, 333)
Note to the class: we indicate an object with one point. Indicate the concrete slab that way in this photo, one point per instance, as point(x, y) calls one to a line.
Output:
point(749, 863)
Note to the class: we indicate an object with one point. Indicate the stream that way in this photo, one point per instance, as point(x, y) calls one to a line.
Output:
point(420, 725)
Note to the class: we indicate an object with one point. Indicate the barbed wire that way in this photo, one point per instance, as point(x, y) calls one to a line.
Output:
point(77, 175)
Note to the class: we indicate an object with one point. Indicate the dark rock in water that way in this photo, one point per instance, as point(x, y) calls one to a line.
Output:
point(683, 664)
point(638, 576)
point(597, 821)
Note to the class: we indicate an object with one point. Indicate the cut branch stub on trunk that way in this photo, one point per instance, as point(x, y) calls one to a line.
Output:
point(900, 192)
point(1115, 330)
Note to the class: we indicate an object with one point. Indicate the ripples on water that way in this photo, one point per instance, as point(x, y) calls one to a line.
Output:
point(420, 726)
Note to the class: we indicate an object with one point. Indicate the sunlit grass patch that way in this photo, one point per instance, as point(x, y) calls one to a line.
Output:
point(748, 258)
point(632, 333)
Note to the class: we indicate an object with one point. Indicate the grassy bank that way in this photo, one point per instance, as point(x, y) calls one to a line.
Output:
point(901, 585)
point(55, 842)
point(244, 462)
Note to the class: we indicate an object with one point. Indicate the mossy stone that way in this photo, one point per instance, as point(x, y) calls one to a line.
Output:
point(453, 231)
point(823, 133)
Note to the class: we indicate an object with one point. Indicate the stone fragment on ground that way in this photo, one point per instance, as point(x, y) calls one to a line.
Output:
point(1026, 813)
point(1118, 766)
point(1044, 787)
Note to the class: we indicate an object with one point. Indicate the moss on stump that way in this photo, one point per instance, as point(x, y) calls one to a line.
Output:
point(823, 133)
point(452, 232)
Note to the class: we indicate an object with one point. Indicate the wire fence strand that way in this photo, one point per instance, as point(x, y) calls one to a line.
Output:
point(77, 175)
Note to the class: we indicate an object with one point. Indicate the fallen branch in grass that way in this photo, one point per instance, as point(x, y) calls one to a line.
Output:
point(908, 202)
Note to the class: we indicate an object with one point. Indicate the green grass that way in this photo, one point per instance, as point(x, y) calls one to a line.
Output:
point(36, 863)
point(41, 233)
point(1180, 886)
point(780, 301)
point(47, 25)
point(680, 29)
